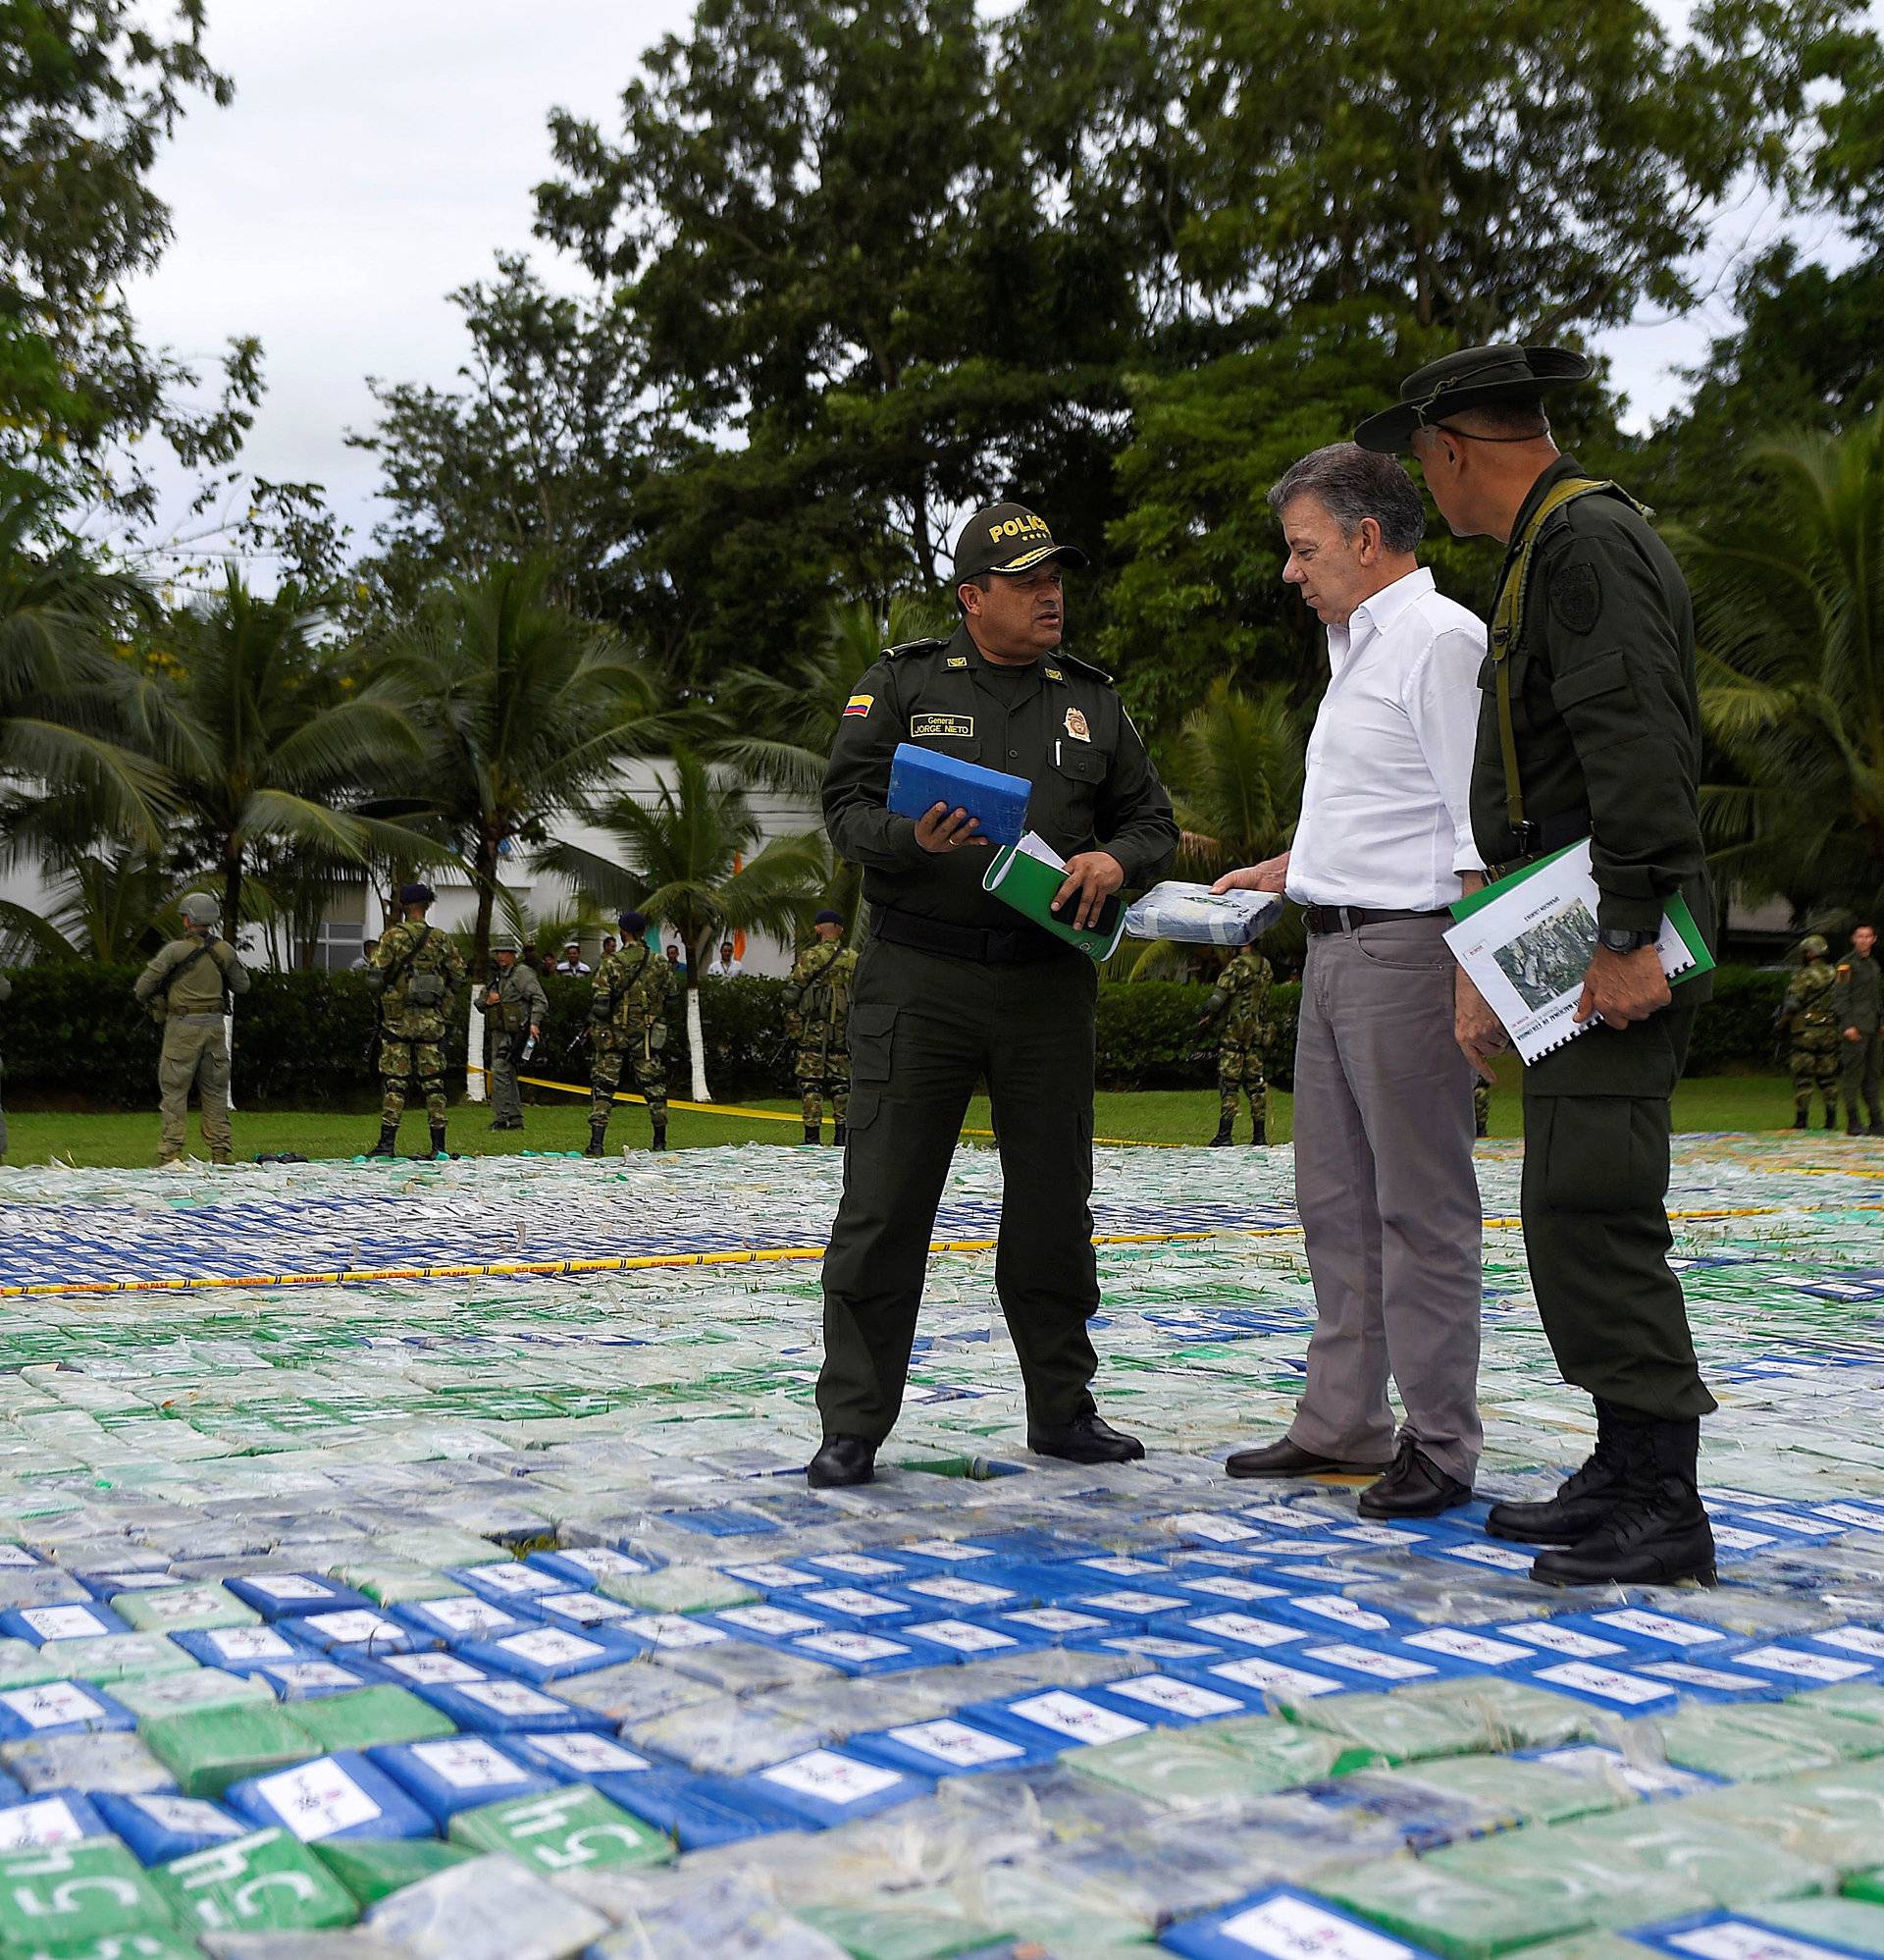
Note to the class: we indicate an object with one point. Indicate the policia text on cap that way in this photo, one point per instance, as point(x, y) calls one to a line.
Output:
point(953, 986)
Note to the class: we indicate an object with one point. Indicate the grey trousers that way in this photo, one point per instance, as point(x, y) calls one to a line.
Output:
point(1388, 1201)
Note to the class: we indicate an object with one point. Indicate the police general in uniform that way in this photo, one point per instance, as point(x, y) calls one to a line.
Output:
point(188, 989)
point(416, 968)
point(515, 1002)
point(1857, 1000)
point(1589, 727)
point(817, 1015)
point(952, 983)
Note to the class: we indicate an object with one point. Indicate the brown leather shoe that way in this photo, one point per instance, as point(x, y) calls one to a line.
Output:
point(1289, 1460)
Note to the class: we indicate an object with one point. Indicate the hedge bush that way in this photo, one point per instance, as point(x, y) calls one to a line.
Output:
point(74, 1038)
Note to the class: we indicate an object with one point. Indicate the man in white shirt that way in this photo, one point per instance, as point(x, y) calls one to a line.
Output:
point(725, 965)
point(1384, 1178)
point(572, 960)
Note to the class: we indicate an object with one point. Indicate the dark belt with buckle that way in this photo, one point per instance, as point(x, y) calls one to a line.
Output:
point(1345, 917)
point(988, 947)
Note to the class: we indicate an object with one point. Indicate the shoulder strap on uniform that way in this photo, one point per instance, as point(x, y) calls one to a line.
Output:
point(1085, 667)
point(184, 965)
point(897, 653)
point(1507, 628)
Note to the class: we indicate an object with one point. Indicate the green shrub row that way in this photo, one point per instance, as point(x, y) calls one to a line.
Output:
point(73, 1038)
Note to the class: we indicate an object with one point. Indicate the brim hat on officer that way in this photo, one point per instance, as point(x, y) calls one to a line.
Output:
point(505, 944)
point(1007, 538)
point(200, 908)
point(416, 894)
point(1472, 378)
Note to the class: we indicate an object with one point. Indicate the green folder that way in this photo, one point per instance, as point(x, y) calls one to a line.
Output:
point(1029, 883)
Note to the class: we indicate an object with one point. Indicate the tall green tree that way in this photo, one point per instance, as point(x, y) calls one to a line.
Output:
point(686, 859)
point(1790, 606)
point(521, 709)
point(266, 740)
point(861, 291)
point(90, 89)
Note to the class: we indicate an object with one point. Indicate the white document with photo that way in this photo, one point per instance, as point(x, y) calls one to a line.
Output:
point(1527, 947)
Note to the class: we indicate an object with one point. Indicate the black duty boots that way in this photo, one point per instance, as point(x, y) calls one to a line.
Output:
point(1657, 1532)
point(1582, 1503)
point(597, 1131)
point(1222, 1135)
point(388, 1144)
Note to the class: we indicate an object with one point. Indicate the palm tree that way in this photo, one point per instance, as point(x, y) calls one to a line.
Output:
point(684, 862)
point(800, 709)
point(525, 708)
point(264, 739)
point(1790, 610)
point(63, 690)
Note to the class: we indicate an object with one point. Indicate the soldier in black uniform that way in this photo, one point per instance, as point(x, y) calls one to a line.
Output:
point(1589, 727)
point(952, 983)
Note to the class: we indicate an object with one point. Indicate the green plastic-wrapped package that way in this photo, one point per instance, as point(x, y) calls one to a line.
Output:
point(914, 1926)
point(184, 1609)
point(69, 1895)
point(370, 1719)
point(1834, 1814)
point(1211, 1765)
point(1852, 1923)
point(565, 1830)
point(1451, 1914)
point(1755, 1741)
point(1458, 1717)
point(266, 1883)
point(1527, 1793)
point(208, 1749)
point(370, 1868)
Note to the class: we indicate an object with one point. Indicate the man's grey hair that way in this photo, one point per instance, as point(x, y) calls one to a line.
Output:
point(1352, 483)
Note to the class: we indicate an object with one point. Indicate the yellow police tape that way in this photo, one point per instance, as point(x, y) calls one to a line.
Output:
point(781, 1115)
point(744, 1255)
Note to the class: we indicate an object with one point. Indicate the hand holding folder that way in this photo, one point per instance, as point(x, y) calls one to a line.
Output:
point(1028, 876)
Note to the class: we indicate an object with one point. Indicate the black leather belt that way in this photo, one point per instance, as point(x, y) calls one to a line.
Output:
point(1344, 918)
point(987, 947)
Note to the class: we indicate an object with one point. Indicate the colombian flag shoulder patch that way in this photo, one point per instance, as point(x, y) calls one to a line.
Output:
point(859, 704)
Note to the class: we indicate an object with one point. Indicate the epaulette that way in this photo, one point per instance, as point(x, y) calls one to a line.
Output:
point(913, 647)
point(1085, 667)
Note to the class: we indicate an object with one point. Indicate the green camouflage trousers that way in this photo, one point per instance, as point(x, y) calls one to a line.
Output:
point(1814, 1061)
point(1481, 1107)
point(1239, 1073)
point(650, 1074)
point(416, 1066)
point(196, 1055)
point(823, 1070)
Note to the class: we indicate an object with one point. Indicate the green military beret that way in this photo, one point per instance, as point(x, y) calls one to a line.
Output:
point(1472, 378)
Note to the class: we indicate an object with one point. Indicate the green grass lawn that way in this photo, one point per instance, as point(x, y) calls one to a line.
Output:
point(1153, 1116)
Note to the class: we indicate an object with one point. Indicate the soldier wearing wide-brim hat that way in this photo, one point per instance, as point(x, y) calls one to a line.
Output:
point(953, 984)
point(1588, 727)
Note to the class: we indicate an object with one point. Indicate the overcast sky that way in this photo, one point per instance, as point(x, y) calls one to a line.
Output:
point(379, 152)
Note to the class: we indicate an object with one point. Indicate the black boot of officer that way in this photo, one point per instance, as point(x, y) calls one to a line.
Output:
point(388, 1145)
point(1259, 1129)
point(660, 1134)
point(1659, 1532)
point(1224, 1135)
point(1583, 1501)
point(597, 1131)
point(837, 1135)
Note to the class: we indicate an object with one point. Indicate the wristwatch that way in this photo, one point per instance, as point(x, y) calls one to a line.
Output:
point(1620, 939)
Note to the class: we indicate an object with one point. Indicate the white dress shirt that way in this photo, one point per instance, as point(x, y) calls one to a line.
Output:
point(1384, 819)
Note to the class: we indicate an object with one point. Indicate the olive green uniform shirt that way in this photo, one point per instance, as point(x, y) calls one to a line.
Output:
point(1057, 722)
point(1605, 711)
point(1856, 999)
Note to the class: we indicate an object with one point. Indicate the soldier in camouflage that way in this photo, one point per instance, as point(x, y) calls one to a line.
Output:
point(415, 970)
point(1239, 999)
point(628, 1025)
point(817, 1013)
point(187, 989)
point(1809, 1020)
point(517, 1006)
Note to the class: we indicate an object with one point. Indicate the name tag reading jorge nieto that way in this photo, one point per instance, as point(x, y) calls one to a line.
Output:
point(961, 728)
